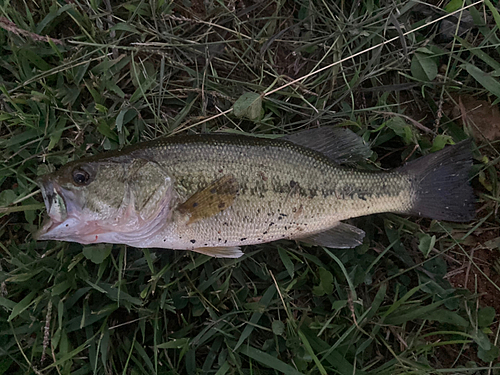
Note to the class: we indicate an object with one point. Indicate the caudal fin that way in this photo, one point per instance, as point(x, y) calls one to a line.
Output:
point(441, 184)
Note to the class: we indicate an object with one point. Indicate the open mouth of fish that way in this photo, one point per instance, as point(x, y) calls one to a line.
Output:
point(56, 206)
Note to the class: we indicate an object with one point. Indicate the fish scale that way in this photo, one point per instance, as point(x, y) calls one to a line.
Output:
point(268, 191)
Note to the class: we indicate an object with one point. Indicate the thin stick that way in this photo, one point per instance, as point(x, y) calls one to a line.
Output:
point(202, 121)
point(417, 124)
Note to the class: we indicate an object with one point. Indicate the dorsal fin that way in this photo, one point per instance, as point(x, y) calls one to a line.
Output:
point(340, 144)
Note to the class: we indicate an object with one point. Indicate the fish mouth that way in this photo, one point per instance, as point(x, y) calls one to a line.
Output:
point(44, 232)
point(56, 206)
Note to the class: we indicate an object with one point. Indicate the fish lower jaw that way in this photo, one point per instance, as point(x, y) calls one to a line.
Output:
point(42, 233)
point(58, 230)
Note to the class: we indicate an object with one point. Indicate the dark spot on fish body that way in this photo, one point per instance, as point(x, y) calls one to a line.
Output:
point(213, 191)
point(243, 239)
point(195, 204)
point(313, 193)
point(222, 205)
point(271, 224)
point(225, 223)
point(293, 184)
point(193, 241)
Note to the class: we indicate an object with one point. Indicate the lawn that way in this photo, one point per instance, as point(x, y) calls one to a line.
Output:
point(79, 77)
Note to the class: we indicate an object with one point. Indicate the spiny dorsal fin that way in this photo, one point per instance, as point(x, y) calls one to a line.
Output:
point(220, 252)
point(341, 236)
point(211, 200)
point(339, 144)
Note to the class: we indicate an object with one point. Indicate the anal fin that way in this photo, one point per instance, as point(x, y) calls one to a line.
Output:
point(341, 236)
point(220, 252)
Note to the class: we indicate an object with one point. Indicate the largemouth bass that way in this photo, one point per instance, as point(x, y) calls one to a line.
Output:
point(215, 193)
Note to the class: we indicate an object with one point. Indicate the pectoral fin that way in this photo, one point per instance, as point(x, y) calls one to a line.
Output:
point(211, 200)
point(341, 236)
point(220, 252)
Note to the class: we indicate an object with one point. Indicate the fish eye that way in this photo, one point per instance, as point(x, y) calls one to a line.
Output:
point(80, 177)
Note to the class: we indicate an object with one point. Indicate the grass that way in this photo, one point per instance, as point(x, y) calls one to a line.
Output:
point(80, 77)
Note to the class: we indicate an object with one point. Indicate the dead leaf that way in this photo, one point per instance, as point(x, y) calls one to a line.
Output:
point(482, 118)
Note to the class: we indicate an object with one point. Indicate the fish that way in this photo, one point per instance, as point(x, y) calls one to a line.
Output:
point(215, 193)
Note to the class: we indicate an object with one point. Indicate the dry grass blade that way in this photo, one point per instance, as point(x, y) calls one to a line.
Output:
point(13, 28)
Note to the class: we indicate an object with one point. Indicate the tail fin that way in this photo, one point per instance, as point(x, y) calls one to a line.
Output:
point(441, 183)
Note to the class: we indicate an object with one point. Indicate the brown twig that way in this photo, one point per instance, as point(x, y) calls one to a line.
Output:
point(13, 28)
point(46, 331)
point(415, 123)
